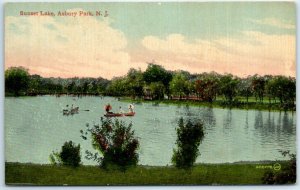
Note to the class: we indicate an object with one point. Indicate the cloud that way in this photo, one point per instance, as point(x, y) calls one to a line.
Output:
point(85, 46)
point(65, 46)
point(273, 22)
point(254, 52)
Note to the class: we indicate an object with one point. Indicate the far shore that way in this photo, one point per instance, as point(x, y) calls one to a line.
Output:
point(219, 103)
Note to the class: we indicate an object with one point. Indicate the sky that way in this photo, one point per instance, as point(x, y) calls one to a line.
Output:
point(241, 38)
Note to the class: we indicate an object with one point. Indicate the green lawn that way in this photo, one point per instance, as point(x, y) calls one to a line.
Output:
point(202, 174)
point(219, 103)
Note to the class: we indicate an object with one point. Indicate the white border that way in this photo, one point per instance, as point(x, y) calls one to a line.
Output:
point(2, 181)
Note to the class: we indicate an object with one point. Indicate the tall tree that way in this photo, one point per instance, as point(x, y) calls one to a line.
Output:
point(16, 80)
point(157, 90)
point(179, 85)
point(207, 87)
point(117, 87)
point(135, 83)
point(245, 87)
point(284, 89)
point(156, 73)
point(258, 86)
point(228, 86)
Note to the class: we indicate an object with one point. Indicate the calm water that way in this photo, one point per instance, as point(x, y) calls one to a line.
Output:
point(35, 126)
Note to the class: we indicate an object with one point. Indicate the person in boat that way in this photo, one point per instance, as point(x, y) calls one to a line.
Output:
point(130, 108)
point(108, 108)
point(120, 110)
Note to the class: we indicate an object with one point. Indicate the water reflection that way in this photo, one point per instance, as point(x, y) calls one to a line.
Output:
point(258, 120)
point(246, 121)
point(270, 123)
point(287, 123)
point(208, 115)
point(269, 130)
point(227, 121)
point(187, 111)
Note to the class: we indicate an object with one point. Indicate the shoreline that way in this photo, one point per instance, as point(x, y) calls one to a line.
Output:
point(163, 166)
point(241, 105)
point(216, 104)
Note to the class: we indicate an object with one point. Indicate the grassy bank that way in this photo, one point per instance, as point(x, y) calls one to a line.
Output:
point(202, 174)
point(217, 104)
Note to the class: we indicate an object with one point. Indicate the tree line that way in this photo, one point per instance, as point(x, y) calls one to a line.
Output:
point(18, 82)
point(157, 83)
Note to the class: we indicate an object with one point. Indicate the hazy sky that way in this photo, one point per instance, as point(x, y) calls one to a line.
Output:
point(239, 38)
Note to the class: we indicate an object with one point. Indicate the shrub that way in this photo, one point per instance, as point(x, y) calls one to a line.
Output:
point(68, 156)
point(189, 137)
point(115, 142)
point(286, 175)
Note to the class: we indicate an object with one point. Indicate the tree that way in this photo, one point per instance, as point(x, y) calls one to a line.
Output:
point(71, 87)
point(117, 87)
point(245, 88)
point(68, 156)
point(258, 86)
point(34, 86)
point(157, 90)
point(228, 86)
point(179, 85)
point(99, 86)
point(284, 89)
point(135, 83)
point(156, 73)
point(115, 141)
point(207, 87)
point(16, 80)
point(270, 89)
point(189, 137)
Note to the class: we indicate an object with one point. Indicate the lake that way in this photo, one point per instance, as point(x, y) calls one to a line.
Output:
point(36, 126)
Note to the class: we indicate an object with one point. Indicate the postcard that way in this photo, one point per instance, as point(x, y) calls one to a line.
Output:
point(150, 93)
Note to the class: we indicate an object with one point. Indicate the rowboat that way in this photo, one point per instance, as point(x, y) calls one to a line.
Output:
point(71, 111)
point(119, 114)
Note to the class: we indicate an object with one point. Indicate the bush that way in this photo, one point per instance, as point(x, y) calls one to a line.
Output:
point(286, 175)
point(16, 81)
point(115, 142)
point(69, 155)
point(189, 137)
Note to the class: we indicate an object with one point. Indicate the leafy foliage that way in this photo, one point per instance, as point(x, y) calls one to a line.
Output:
point(258, 86)
point(157, 74)
point(245, 88)
point(189, 137)
point(286, 175)
point(117, 87)
point(207, 87)
point(135, 83)
point(157, 90)
point(179, 85)
point(68, 156)
point(16, 80)
point(115, 142)
point(228, 86)
point(157, 83)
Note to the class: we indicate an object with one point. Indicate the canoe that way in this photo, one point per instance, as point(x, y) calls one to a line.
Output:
point(119, 114)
